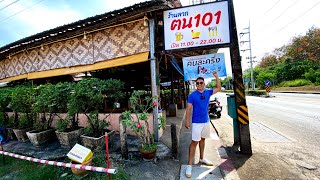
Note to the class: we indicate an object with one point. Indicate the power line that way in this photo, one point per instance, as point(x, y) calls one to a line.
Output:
point(8, 5)
point(21, 11)
point(301, 15)
point(272, 7)
point(1, 1)
point(285, 11)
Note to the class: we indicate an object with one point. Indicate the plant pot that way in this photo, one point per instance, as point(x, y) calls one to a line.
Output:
point(81, 172)
point(148, 155)
point(38, 138)
point(69, 139)
point(11, 134)
point(96, 143)
point(21, 134)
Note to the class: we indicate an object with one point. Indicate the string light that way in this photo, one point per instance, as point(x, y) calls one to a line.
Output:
point(84, 35)
point(145, 20)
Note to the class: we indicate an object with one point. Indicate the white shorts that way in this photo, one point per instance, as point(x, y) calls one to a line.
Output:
point(200, 130)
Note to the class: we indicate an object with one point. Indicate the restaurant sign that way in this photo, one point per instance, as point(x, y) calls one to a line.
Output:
point(194, 26)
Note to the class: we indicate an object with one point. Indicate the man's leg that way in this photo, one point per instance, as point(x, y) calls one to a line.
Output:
point(192, 150)
point(201, 147)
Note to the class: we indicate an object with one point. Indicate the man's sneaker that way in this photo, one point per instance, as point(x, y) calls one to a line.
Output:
point(189, 171)
point(206, 162)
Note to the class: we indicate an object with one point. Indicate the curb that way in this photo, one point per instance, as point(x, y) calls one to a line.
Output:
point(226, 166)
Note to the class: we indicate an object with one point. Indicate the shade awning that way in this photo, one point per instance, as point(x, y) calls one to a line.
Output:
point(136, 58)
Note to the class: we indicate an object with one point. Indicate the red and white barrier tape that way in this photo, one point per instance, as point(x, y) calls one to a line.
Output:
point(68, 165)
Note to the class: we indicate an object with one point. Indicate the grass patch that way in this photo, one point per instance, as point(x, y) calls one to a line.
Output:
point(295, 83)
point(26, 170)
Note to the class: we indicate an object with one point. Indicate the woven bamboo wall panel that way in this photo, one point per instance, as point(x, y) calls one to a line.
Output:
point(99, 46)
point(2, 70)
point(121, 41)
point(31, 60)
point(82, 50)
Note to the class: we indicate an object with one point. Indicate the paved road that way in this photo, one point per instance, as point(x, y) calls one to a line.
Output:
point(286, 125)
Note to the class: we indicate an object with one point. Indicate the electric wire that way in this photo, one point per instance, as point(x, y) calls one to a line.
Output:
point(21, 11)
point(9, 5)
point(301, 15)
point(1, 1)
point(285, 11)
point(272, 7)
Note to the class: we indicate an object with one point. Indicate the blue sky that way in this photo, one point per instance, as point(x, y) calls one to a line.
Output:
point(273, 22)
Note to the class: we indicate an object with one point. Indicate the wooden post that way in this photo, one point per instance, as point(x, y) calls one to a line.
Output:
point(174, 140)
point(123, 140)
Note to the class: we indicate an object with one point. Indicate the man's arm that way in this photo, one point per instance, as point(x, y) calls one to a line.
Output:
point(218, 83)
point(188, 112)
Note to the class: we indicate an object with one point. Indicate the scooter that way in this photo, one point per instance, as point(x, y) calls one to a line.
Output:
point(215, 108)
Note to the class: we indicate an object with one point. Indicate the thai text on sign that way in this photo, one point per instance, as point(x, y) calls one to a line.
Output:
point(202, 66)
point(194, 26)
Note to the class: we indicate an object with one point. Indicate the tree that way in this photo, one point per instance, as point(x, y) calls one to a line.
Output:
point(268, 60)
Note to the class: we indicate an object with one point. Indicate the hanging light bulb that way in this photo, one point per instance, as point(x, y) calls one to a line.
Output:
point(84, 35)
point(145, 20)
point(42, 48)
point(9, 56)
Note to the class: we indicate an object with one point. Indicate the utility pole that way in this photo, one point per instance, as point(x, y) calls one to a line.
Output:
point(250, 50)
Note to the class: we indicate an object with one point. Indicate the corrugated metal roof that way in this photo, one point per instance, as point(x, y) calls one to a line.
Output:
point(79, 27)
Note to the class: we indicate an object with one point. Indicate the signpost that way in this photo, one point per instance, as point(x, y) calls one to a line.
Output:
point(211, 25)
point(267, 83)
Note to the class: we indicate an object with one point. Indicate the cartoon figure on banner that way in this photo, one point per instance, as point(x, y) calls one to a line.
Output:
point(203, 70)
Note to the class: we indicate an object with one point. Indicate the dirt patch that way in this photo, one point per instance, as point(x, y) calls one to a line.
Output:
point(301, 88)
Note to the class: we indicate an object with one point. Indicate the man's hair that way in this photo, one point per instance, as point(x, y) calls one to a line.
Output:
point(201, 78)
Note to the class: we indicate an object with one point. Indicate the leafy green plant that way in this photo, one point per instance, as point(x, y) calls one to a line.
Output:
point(295, 83)
point(51, 99)
point(22, 100)
point(88, 98)
point(5, 98)
point(140, 107)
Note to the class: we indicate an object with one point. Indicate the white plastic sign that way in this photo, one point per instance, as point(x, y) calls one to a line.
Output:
point(79, 154)
point(201, 25)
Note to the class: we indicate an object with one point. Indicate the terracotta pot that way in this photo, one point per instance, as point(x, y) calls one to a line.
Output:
point(81, 172)
point(148, 155)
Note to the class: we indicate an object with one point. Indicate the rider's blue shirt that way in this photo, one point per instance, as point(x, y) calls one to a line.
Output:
point(200, 105)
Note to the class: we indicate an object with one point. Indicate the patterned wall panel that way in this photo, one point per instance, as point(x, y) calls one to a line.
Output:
point(32, 62)
point(82, 50)
point(124, 40)
point(121, 41)
point(2, 70)
point(45, 58)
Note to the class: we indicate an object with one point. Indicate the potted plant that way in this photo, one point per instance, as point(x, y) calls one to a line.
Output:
point(49, 101)
point(67, 130)
point(22, 100)
point(140, 107)
point(88, 98)
point(6, 121)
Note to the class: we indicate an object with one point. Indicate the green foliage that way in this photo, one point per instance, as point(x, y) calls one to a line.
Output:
point(263, 76)
point(62, 125)
point(88, 97)
point(297, 60)
point(140, 106)
point(51, 99)
point(22, 100)
point(24, 122)
point(295, 83)
point(227, 82)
